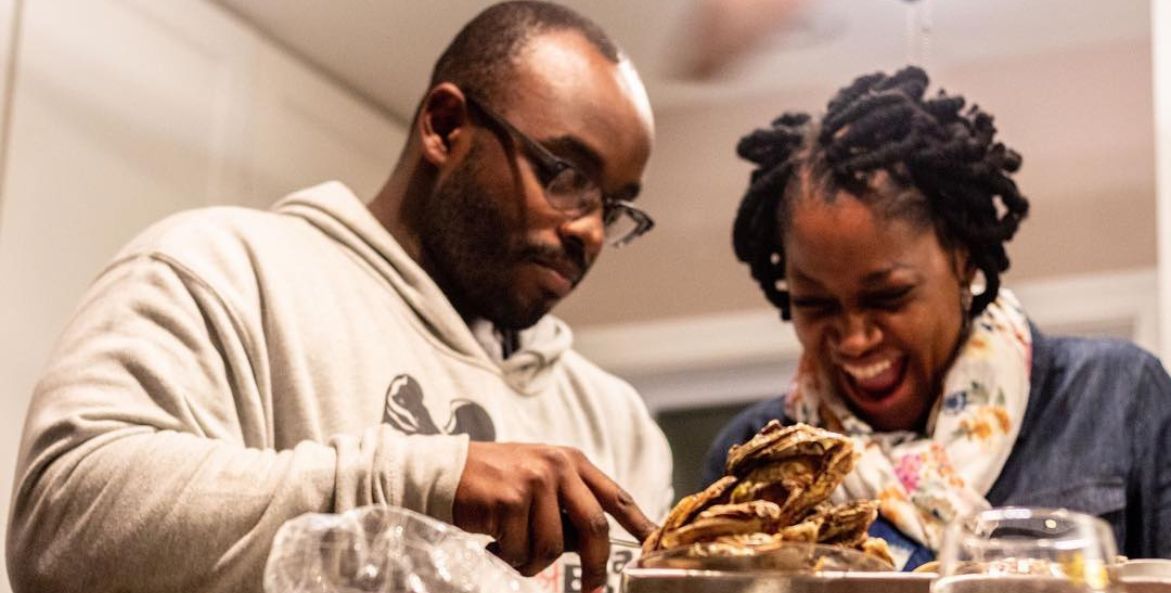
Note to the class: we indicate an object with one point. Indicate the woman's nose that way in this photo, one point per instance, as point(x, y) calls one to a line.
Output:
point(857, 334)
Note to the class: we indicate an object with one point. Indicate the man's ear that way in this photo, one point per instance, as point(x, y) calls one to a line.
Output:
point(442, 122)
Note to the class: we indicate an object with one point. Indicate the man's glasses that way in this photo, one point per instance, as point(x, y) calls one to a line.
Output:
point(570, 190)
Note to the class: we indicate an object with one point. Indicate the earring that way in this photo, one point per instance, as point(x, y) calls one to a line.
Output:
point(966, 300)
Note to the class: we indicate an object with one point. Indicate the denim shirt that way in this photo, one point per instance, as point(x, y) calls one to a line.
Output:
point(1096, 438)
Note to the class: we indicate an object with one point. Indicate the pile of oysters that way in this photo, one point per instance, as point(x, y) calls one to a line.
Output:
point(775, 490)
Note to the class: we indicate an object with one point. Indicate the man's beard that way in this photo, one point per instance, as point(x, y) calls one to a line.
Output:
point(473, 253)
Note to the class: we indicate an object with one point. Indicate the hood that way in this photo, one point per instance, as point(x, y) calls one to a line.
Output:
point(538, 350)
point(333, 209)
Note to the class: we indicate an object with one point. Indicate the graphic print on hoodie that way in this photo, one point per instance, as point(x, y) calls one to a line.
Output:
point(406, 412)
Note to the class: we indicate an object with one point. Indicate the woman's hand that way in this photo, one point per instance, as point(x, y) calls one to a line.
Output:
point(538, 501)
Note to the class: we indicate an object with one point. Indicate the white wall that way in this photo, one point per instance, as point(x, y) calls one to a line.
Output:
point(124, 111)
point(9, 11)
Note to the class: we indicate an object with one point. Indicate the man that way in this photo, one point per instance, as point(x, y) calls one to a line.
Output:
point(232, 369)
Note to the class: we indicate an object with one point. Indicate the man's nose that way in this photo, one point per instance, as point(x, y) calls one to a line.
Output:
point(587, 230)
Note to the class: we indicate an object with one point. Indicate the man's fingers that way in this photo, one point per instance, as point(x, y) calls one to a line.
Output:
point(513, 535)
point(546, 542)
point(616, 501)
point(524, 510)
point(592, 530)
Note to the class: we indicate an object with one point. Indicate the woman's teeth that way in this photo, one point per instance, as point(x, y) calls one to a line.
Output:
point(869, 371)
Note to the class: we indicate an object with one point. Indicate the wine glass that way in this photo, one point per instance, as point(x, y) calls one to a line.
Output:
point(1026, 550)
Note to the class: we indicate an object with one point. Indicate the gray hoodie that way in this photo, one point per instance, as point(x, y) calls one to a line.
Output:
point(232, 369)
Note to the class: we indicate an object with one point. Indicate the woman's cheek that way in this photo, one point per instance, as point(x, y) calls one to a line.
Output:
point(810, 334)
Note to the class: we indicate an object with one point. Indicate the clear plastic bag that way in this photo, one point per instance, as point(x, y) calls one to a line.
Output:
point(381, 549)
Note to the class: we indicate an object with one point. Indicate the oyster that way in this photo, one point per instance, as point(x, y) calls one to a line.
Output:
point(795, 466)
point(749, 540)
point(805, 531)
point(758, 516)
point(687, 508)
point(846, 524)
point(876, 546)
point(775, 491)
point(744, 544)
point(692, 505)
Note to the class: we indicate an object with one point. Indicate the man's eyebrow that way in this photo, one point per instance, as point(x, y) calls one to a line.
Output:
point(581, 155)
point(630, 192)
point(573, 149)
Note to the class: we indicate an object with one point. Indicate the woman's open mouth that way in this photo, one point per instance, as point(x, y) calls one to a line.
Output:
point(877, 380)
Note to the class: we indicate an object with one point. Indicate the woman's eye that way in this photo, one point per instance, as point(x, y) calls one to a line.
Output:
point(813, 306)
point(890, 300)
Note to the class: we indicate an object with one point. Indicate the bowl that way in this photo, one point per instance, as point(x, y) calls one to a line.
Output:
point(788, 557)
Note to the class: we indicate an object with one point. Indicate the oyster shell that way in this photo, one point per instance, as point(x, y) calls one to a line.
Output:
point(846, 524)
point(758, 516)
point(805, 531)
point(876, 546)
point(744, 544)
point(687, 508)
point(795, 466)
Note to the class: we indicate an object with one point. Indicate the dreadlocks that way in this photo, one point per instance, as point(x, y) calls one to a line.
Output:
point(882, 123)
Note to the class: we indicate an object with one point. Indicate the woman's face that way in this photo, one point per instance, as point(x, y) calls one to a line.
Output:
point(877, 303)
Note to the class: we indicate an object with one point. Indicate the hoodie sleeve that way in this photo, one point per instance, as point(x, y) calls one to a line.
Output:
point(140, 469)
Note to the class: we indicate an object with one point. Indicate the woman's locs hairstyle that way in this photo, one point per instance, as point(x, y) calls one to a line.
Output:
point(945, 154)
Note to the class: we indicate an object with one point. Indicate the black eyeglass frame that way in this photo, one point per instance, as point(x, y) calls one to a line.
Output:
point(551, 166)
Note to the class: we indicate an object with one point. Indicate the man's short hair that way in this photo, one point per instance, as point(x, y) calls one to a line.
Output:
point(481, 57)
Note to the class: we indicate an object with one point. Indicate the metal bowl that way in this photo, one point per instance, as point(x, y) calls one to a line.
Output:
point(791, 557)
point(790, 568)
point(669, 580)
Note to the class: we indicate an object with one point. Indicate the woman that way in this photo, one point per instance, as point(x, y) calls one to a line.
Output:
point(879, 232)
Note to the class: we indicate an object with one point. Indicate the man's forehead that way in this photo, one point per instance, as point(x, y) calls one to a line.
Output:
point(566, 89)
point(565, 63)
point(630, 81)
point(560, 52)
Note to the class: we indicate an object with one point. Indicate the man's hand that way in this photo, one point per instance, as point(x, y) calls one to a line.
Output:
point(521, 494)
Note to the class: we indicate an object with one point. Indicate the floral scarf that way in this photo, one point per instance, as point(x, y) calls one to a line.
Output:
point(923, 481)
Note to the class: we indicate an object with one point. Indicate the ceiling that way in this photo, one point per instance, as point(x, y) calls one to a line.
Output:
point(1068, 80)
point(384, 49)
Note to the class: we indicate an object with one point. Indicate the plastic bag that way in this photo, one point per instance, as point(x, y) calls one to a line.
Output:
point(382, 549)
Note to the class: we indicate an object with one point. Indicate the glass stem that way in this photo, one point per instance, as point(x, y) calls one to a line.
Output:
point(919, 27)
